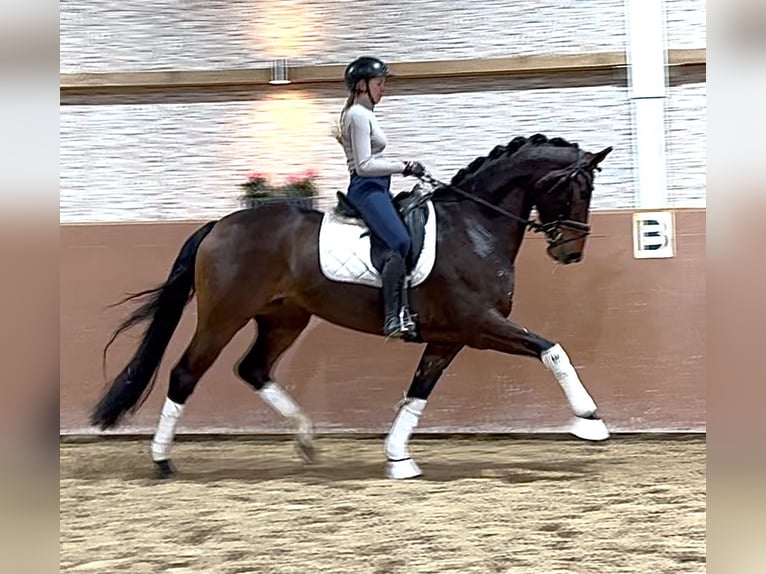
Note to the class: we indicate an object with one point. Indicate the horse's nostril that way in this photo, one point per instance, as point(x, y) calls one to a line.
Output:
point(574, 257)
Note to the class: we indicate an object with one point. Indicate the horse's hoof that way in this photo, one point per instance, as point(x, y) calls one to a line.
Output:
point(589, 429)
point(306, 450)
point(164, 469)
point(304, 439)
point(401, 469)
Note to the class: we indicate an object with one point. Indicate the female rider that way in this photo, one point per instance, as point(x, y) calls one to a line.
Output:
point(369, 189)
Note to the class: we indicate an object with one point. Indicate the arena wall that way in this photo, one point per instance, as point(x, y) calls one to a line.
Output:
point(634, 328)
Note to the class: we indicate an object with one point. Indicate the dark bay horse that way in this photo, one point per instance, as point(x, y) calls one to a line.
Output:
point(262, 265)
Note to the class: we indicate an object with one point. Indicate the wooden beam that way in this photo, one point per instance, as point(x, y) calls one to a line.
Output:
point(512, 65)
point(83, 82)
point(693, 57)
point(162, 79)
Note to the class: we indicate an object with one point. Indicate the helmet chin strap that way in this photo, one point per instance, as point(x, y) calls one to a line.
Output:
point(368, 92)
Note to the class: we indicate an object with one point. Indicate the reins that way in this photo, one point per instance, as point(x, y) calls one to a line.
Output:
point(552, 230)
point(536, 226)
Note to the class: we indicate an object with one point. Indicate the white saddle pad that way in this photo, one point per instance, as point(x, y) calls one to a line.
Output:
point(345, 256)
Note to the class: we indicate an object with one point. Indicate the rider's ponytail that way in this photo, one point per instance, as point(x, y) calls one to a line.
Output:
point(338, 129)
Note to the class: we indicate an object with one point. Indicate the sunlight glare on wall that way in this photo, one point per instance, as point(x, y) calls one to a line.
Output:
point(281, 134)
point(286, 30)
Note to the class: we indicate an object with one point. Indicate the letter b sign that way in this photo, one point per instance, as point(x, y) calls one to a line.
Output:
point(653, 235)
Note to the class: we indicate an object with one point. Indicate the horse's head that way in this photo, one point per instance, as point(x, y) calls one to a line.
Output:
point(553, 175)
point(562, 199)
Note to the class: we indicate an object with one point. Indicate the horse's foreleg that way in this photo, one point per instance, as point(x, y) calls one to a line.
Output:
point(276, 332)
point(499, 334)
point(435, 359)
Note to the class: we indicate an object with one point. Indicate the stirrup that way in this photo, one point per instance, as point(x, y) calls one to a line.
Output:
point(396, 331)
point(400, 326)
point(407, 320)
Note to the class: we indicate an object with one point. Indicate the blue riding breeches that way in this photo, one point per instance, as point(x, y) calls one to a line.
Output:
point(372, 198)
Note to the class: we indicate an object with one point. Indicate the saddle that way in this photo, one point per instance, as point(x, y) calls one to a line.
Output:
point(413, 211)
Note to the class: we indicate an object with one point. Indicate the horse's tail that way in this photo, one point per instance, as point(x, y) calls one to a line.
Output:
point(164, 305)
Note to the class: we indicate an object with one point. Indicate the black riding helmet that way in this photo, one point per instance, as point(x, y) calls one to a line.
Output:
point(364, 68)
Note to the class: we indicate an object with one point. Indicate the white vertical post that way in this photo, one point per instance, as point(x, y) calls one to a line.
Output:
point(646, 57)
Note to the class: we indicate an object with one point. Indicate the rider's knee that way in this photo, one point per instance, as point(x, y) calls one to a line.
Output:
point(402, 246)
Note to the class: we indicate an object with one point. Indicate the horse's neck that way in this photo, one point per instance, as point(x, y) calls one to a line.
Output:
point(507, 234)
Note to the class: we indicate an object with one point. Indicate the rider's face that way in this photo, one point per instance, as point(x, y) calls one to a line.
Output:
point(377, 88)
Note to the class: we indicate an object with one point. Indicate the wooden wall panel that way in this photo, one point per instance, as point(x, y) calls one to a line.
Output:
point(635, 329)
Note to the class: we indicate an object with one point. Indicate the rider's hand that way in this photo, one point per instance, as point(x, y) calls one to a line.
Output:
point(414, 168)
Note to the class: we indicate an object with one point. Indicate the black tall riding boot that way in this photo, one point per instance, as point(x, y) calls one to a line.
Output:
point(393, 281)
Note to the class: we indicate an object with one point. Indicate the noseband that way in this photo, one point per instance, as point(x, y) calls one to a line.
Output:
point(553, 230)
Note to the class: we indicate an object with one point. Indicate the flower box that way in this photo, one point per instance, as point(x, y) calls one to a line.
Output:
point(299, 190)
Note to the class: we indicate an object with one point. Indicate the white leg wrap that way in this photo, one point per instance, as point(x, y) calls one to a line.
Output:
point(404, 423)
point(166, 430)
point(278, 399)
point(558, 362)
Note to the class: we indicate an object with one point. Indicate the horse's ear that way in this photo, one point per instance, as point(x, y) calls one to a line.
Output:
point(593, 159)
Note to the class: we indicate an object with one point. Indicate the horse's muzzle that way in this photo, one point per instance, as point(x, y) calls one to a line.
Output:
point(573, 258)
point(561, 254)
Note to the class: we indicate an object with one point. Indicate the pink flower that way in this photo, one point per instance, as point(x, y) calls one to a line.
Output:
point(303, 176)
point(256, 175)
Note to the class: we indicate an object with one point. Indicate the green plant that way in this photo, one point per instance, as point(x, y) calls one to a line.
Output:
point(258, 186)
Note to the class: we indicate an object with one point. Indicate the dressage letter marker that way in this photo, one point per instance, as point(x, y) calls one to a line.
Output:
point(653, 236)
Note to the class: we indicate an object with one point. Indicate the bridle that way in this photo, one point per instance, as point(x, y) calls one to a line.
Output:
point(553, 230)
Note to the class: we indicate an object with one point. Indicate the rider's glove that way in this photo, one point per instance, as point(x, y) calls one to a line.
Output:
point(414, 168)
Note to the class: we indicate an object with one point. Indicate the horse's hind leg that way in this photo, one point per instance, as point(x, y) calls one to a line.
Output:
point(499, 334)
point(208, 341)
point(434, 360)
point(278, 328)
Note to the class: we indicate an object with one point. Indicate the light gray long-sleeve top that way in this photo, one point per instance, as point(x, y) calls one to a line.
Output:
point(364, 142)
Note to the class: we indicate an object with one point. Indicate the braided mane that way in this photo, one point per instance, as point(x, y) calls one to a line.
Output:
point(507, 150)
